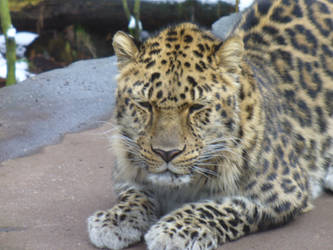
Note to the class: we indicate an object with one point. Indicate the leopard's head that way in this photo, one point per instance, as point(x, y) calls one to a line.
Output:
point(177, 109)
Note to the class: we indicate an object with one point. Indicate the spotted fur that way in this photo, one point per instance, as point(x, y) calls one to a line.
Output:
point(218, 139)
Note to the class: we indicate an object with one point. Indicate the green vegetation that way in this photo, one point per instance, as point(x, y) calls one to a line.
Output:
point(17, 5)
point(6, 24)
point(237, 6)
point(136, 31)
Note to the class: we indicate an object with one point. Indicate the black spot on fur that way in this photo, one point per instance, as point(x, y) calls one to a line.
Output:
point(265, 165)
point(249, 110)
point(271, 176)
point(321, 120)
point(263, 7)
point(326, 59)
point(270, 30)
point(287, 186)
point(155, 76)
point(254, 38)
point(223, 114)
point(266, 187)
point(279, 152)
point(188, 39)
point(122, 217)
point(158, 84)
point(194, 235)
point(160, 94)
point(278, 16)
point(234, 222)
point(150, 64)
point(205, 213)
point(206, 37)
point(195, 107)
point(150, 92)
point(251, 185)
point(229, 124)
point(234, 232)
point(272, 198)
point(172, 32)
point(197, 53)
point(280, 40)
point(241, 93)
point(214, 210)
point(329, 102)
point(155, 44)
point(224, 225)
point(155, 51)
point(276, 163)
point(201, 47)
point(198, 68)
point(304, 117)
point(297, 11)
point(283, 207)
point(251, 21)
point(290, 95)
point(191, 80)
point(171, 39)
point(246, 229)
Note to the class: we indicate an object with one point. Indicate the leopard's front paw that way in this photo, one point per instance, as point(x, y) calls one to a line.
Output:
point(178, 236)
point(114, 229)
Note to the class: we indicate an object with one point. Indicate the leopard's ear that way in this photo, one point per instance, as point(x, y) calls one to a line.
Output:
point(230, 53)
point(125, 49)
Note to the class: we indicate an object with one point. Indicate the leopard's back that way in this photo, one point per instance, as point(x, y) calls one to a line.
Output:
point(289, 45)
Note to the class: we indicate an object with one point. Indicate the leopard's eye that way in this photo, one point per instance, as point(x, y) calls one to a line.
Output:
point(195, 107)
point(145, 105)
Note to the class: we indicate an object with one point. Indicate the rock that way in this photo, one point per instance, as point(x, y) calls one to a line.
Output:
point(224, 26)
point(40, 110)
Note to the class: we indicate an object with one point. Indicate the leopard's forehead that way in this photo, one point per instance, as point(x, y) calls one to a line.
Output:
point(177, 41)
point(177, 66)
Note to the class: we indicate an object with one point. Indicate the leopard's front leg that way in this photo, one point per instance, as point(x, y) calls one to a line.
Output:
point(126, 222)
point(208, 224)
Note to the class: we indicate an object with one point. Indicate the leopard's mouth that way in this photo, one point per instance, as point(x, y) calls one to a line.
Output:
point(168, 178)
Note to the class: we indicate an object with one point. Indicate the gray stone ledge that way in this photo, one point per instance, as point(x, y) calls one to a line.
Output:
point(40, 110)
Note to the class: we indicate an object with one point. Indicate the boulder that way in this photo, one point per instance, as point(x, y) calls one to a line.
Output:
point(41, 109)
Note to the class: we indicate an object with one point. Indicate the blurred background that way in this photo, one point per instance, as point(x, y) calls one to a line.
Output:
point(54, 33)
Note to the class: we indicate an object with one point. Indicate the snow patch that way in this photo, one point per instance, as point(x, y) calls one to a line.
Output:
point(11, 32)
point(132, 23)
point(22, 40)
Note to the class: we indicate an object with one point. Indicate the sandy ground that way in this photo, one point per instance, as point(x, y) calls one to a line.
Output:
point(46, 198)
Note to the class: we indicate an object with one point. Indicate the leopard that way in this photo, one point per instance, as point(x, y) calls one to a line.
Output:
point(215, 139)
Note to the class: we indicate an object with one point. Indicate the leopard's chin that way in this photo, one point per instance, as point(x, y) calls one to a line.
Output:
point(167, 178)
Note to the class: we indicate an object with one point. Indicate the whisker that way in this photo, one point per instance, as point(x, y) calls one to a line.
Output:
point(200, 172)
point(204, 171)
point(223, 139)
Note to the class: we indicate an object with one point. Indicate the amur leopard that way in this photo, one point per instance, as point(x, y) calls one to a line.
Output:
point(218, 139)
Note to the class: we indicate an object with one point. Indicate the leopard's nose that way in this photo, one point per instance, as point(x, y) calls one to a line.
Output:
point(169, 155)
